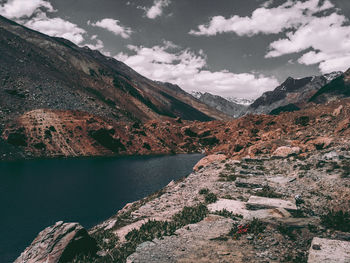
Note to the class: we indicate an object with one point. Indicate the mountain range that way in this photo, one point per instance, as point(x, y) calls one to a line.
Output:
point(59, 99)
point(291, 95)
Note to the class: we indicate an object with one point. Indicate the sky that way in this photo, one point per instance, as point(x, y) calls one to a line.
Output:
point(236, 48)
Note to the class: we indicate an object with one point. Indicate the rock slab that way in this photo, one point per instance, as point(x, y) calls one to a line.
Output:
point(59, 243)
point(257, 202)
point(330, 251)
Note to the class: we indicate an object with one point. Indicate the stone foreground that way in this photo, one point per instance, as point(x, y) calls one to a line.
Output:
point(330, 251)
point(59, 243)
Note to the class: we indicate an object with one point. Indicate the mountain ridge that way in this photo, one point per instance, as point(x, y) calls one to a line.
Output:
point(62, 67)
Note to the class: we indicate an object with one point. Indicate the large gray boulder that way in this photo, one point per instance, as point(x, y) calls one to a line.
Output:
point(59, 243)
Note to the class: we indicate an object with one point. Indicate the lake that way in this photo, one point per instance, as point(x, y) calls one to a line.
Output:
point(36, 194)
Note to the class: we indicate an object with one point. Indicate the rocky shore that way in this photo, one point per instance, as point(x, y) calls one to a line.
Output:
point(285, 207)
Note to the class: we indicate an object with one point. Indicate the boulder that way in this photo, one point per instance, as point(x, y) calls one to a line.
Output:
point(285, 151)
point(343, 125)
point(321, 142)
point(337, 111)
point(59, 243)
point(330, 251)
point(208, 160)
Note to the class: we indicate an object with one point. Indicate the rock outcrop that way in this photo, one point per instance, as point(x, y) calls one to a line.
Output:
point(59, 243)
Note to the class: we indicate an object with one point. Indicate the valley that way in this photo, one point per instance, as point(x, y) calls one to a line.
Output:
point(273, 185)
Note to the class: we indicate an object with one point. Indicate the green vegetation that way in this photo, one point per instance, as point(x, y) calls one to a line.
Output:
point(147, 232)
point(210, 198)
point(302, 120)
point(228, 214)
point(336, 220)
point(267, 191)
point(336, 87)
point(286, 231)
point(107, 240)
point(287, 108)
point(203, 191)
point(224, 177)
point(255, 227)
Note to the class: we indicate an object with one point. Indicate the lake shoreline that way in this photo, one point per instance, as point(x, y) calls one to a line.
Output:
point(34, 196)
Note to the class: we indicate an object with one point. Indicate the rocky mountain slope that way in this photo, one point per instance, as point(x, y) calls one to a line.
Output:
point(229, 107)
point(338, 88)
point(275, 189)
point(67, 133)
point(38, 71)
point(292, 93)
point(42, 72)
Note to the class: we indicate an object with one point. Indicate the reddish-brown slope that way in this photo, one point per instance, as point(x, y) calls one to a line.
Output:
point(73, 133)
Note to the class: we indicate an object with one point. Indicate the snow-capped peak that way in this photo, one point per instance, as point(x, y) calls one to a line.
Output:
point(241, 101)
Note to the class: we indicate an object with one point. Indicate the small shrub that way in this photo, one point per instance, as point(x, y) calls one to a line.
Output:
point(106, 240)
point(156, 229)
point(255, 227)
point(210, 198)
point(228, 214)
point(146, 146)
point(227, 177)
point(203, 191)
point(238, 148)
point(190, 215)
point(336, 220)
point(267, 191)
point(302, 120)
point(286, 231)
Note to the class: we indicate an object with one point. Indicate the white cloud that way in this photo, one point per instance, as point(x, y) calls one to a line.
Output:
point(311, 24)
point(56, 27)
point(113, 26)
point(267, 3)
point(33, 14)
point(156, 9)
point(168, 63)
point(97, 46)
point(23, 8)
point(264, 20)
point(328, 37)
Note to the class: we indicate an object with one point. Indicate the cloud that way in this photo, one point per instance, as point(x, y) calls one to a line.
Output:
point(170, 63)
point(327, 37)
point(113, 26)
point(156, 9)
point(97, 46)
point(33, 14)
point(313, 25)
point(23, 8)
point(56, 27)
point(264, 20)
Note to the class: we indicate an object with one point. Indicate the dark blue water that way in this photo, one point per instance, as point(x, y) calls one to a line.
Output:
point(36, 194)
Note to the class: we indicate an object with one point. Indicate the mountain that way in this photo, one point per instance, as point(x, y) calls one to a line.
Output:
point(224, 105)
point(338, 88)
point(241, 101)
point(38, 71)
point(291, 94)
point(45, 81)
